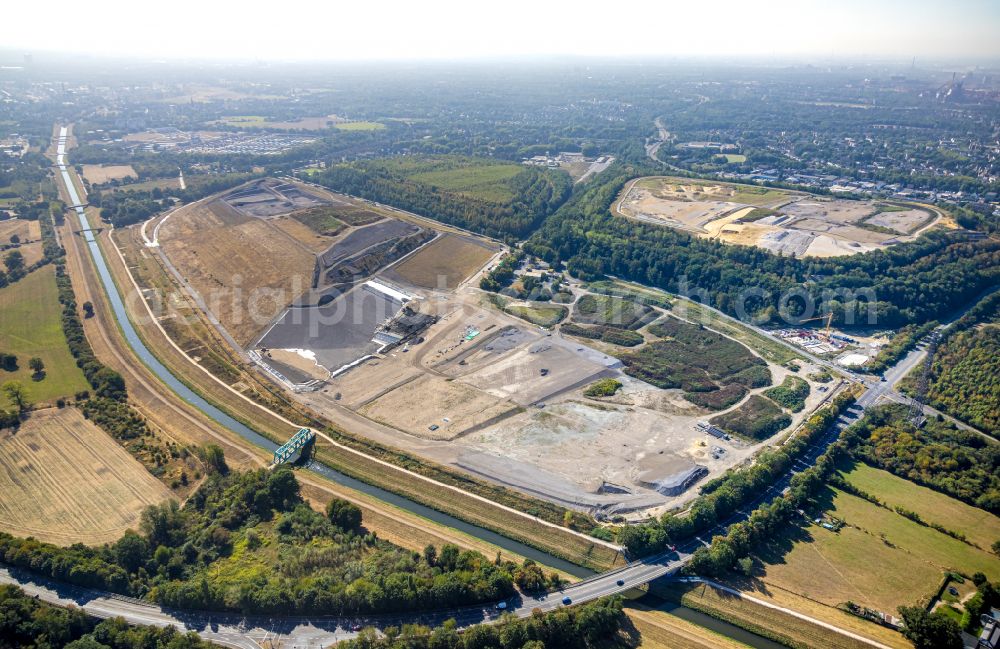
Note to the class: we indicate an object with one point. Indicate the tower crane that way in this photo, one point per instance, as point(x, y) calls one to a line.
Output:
point(829, 319)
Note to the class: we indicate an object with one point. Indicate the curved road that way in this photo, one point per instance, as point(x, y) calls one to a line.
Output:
point(241, 631)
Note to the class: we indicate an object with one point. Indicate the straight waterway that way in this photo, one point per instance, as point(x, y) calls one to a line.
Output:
point(186, 393)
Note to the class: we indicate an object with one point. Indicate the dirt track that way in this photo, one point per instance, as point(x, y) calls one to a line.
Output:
point(180, 422)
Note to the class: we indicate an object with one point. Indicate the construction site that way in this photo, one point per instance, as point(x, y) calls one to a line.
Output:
point(781, 221)
point(373, 317)
point(494, 396)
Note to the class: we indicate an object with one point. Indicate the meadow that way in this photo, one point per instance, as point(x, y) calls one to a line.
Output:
point(31, 325)
point(878, 559)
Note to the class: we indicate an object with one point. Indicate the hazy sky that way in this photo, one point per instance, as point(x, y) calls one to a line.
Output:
point(449, 29)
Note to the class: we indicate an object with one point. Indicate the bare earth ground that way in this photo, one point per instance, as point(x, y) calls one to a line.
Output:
point(803, 225)
point(300, 232)
point(498, 416)
point(244, 270)
point(449, 406)
point(63, 480)
point(96, 174)
point(443, 263)
point(181, 422)
point(26, 230)
point(903, 222)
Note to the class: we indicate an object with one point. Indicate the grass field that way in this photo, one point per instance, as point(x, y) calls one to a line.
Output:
point(25, 230)
point(768, 622)
point(103, 173)
point(607, 310)
point(65, 481)
point(161, 183)
point(756, 419)
point(733, 157)
point(543, 316)
point(661, 630)
point(485, 182)
point(879, 559)
point(31, 325)
point(444, 263)
point(979, 526)
point(359, 126)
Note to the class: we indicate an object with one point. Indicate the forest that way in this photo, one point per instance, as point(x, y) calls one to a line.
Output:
point(964, 378)
point(529, 196)
point(908, 283)
point(729, 492)
point(27, 623)
point(248, 542)
point(595, 625)
point(940, 456)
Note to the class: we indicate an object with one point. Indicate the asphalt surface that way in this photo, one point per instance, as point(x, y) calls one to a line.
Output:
point(302, 631)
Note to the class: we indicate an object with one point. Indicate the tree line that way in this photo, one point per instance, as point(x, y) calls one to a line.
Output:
point(908, 283)
point(589, 626)
point(537, 194)
point(724, 495)
point(328, 563)
point(27, 623)
point(939, 455)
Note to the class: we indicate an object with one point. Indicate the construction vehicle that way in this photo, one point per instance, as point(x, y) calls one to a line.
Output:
point(826, 330)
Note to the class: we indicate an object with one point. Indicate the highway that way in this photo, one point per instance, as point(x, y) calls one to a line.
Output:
point(296, 631)
point(186, 393)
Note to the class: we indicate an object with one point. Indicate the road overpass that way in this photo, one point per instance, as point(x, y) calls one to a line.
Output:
point(242, 631)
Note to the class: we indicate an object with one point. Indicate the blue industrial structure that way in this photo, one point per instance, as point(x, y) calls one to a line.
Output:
point(289, 448)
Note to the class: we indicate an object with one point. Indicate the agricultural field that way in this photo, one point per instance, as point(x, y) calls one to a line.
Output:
point(781, 221)
point(359, 126)
point(31, 325)
point(98, 174)
point(978, 526)
point(65, 481)
point(444, 263)
point(878, 559)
